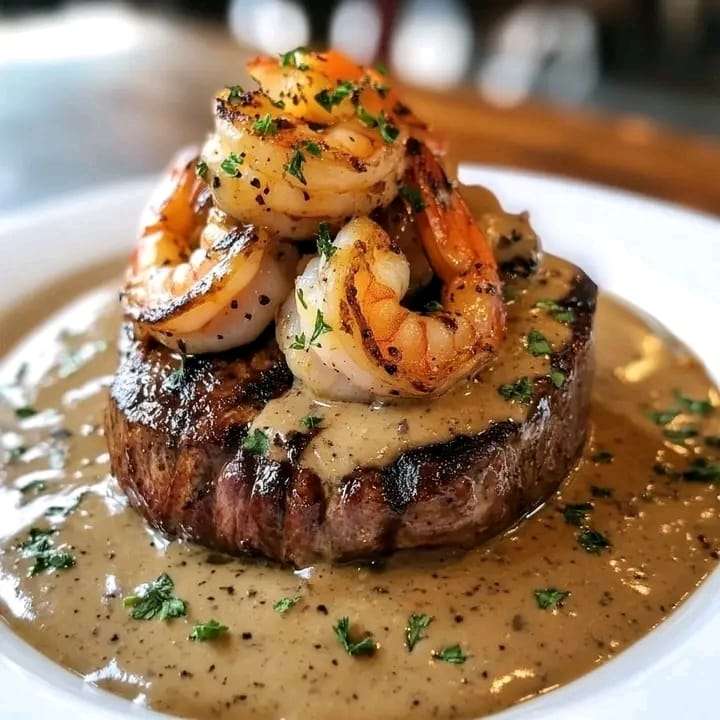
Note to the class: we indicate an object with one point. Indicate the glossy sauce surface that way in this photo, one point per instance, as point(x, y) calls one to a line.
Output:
point(664, 533)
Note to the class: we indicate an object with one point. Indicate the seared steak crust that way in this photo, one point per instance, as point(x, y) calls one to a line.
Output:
point(175, 446)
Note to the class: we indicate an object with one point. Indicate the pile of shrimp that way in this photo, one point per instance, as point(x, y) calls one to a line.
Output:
point(322, 150)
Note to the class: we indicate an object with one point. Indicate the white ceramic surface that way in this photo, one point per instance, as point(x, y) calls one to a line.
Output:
point(661, 258)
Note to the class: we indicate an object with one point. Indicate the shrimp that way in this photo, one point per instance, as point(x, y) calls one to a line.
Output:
point(345, 332)
point(198, 282)
point(322, 140)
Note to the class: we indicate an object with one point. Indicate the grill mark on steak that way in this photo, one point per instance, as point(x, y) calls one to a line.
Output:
point(177, 455)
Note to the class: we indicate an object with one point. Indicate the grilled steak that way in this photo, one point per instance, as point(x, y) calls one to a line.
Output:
point(175, 439)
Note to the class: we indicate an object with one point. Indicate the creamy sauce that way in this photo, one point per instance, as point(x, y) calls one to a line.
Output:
point(665, 533)
point(358, 434)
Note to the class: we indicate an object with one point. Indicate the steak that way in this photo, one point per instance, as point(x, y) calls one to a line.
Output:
point(175, 440)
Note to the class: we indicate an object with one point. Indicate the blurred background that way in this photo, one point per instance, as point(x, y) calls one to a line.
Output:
point(625, 92)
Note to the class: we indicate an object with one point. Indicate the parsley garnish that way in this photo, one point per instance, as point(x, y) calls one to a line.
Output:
point(14, 454)
point(329, 98)
point(537, 344)
point(256, 442)
point(452, 654)
point(40, 546)
point(663, 417)
point(231, 165)
point(414, 630)
point(201, 169)
point(381, 67)
point(701, 470)
point(313, 148)
point(294, 58)
point(600, 492)
point(207, 631)
point(521, 390)
point(235, 93)
point(696, 407)
point(680, 434)
point(388, 131)
point(433, 306)
point(294, 167)
point(557, 311)
point(155, 599)
point(602, 457)
point(265, 125)
point(366, 646)
point(550, 598)
point(325, 241)
point(365, 117)
point(285, 603)
point(577, 514)
point(321, 327)
point(301, 297)
point(64, 510)
point(311, 421)
point(557, 377)
point(413, 197)
point(25, 412)
point(593, 541)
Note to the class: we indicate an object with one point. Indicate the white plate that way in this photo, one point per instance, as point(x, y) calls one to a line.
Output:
point(661, 258)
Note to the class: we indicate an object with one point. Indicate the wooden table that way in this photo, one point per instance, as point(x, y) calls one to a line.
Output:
point(66, 127)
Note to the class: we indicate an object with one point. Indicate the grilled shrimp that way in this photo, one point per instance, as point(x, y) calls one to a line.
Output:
point(322, 140)
point(345, 332)
point(199, 282)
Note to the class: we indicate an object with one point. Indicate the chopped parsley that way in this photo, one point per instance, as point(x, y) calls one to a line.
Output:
point(313, 148)
point(413, 197)
point(550, 598)
point(25, 412)
point(207, 631)
point(700, 470)
point(201, 169)
point(557, 377)
point(679, 435)
point(256, 442)
point(321, 327)
point(294, 167)
point(155, 599)
point(311, 421)
point(598, 491)
point(602, 457)
point(285, 603)
point(365, 646)
point(556, 311)
point(365, 117)
point(325, 241)
point(388, 131)
point(381, 67)
point(294, 58)
point(235, 93)
point(537, 344)
point(328, 99)
point(415, 629)
point(231, 165)
point(14, 454)
point(593, 541)
point(41, 548)
point(265, 125)
point(521, 390)
point(301, 297)
point(65, 510)
point(452, 654)
point(696, 407)
point(577, 514)
point(663, 417)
